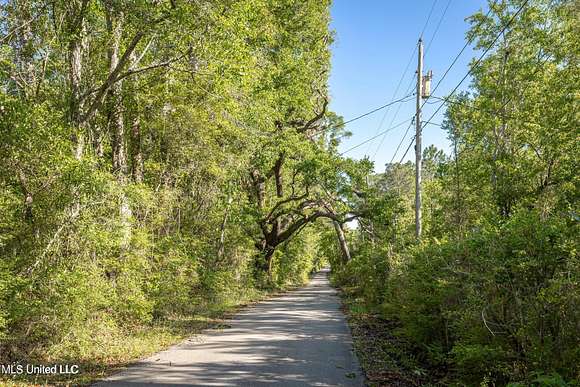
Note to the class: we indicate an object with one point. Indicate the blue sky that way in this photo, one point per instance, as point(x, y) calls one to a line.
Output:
point(373, 44)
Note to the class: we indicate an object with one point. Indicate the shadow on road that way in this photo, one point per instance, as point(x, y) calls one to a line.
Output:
point(298, 339)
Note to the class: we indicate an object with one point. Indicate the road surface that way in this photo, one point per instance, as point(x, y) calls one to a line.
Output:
point(298, 339)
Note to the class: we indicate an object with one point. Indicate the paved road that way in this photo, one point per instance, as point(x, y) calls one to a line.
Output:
point(297, 339)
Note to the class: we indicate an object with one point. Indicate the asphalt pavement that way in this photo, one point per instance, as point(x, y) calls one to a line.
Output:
point(300, 338)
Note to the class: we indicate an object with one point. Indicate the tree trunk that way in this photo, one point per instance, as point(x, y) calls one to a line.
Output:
point(259, 188)
point(222, 239)
point(28, 199)
point(136, 155)
point(278, 176)
point(345, 252)
point(263, 265)
point(116, 122)
point(75, 105)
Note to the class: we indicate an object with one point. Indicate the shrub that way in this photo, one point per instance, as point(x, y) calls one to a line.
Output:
point(505, 299)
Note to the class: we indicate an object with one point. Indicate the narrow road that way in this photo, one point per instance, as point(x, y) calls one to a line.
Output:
point(298, 339)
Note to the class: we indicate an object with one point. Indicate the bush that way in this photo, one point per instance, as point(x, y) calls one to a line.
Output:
point(502, 303)
point(296, 260)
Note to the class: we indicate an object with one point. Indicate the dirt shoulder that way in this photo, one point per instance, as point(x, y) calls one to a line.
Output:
point(387, 360)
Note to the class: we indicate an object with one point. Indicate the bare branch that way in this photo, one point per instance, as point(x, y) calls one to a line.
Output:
point(113, 77)
point(285, 201)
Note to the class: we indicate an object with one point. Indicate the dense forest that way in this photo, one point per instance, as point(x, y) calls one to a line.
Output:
point(162, 157)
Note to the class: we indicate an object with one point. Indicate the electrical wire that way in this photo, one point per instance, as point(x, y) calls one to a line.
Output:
point(470, 69)
point(388, 109)
point(438, 25)
point(410, 85)
point(538, 67)
point(372, 138)
point(407, 150)
point(403, 99)
point(385, 135)
point(344, 123)
point(469, 41)
point(490, 112)
point(445, 74)
point(428, 18)
point(478, 61)
point(393, 120)
point(401, 142)
point(399, 83)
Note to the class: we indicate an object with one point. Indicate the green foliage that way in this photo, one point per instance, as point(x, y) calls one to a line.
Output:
point(297, 260)
point(125, 200)
point(487, 298)
point(490, 294)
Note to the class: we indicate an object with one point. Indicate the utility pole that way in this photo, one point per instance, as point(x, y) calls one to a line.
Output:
point(418, 142)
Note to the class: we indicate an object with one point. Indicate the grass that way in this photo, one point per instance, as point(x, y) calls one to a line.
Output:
point(115, 348)
point(386, 359)
point(131, 344)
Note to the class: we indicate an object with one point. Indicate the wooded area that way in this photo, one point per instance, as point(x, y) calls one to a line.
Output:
point(160, 156)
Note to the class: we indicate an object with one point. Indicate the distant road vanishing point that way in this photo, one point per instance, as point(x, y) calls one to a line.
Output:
point(298, 339)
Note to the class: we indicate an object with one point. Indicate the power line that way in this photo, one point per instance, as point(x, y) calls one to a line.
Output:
point(403, 99)
point(461, 52)
point(438, 25)
point(490, 112)
point(401, 142)
point(456, 87)
point(471, 68)
point(408, 90)
point(393, 120)
point(344, 123)
point(372, 138)
point(405, 72)
point(407, 150)
point(401, 80)
point(428, 18)
point(538, 67)
point(446, 71)
point(385, 136)
point(411, 84)
point(394, 94)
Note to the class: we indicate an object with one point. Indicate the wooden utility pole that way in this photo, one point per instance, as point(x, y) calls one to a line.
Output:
point(418, 142)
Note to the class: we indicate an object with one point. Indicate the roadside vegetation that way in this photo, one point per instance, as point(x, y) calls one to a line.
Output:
point(159, 163)
point(118, 346)
point(490, 295)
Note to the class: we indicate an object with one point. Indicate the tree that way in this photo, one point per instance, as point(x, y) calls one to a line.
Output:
point(488, 291)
